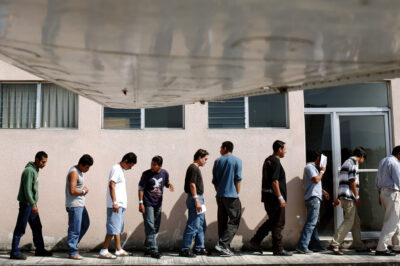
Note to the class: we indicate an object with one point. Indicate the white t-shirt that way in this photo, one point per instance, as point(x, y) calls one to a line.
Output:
point(117, 175)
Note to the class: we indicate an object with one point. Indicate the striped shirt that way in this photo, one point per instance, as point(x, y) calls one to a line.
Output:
point(348, 171)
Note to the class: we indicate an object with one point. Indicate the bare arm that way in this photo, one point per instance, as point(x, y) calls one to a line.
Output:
point(275, 187)
point(318, 178)
point(237, 185)
point(353, 187)
point(73, 179)
point(193, 191)
point(141, 205)
point(113, 197)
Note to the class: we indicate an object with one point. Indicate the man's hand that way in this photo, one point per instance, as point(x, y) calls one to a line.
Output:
point(283, 203)
point(141, 208)
point(115, 208)
point(323, 168)
point(171, 187)
point(198, 205)
point(86, 190)
point(326, 195)
point(35, 209)
point(358, 202)
point(336, 202)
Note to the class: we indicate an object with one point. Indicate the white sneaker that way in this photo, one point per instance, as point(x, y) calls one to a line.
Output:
point(122, 253)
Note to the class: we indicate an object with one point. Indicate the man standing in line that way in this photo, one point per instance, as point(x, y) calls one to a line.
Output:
point(151, 187)
point(117, 202)
point(388, 185)
point(227, 175)
point(28, 211)
point(274, 196)
point(75, 192)
point(196, 224)
point(313, 193)
point(349, 199)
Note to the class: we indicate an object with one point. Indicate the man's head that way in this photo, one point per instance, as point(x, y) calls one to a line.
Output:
point(360, 153)
point(156, 164)
point(85, 162)
point(201, 157)
point(315, 157)
point(40, 159)
point(279, 148)
point(128, 161)
point(396, 152)
point(226, 147)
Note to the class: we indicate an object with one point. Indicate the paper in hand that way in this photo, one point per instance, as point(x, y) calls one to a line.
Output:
point(323, 160)
point(203, 209)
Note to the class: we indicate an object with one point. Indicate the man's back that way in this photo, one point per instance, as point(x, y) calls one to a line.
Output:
point(227, 171)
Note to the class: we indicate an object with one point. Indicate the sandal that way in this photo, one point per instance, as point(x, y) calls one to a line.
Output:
point(337, 251)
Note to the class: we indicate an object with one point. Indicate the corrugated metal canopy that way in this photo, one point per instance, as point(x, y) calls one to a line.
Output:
point(151, 53)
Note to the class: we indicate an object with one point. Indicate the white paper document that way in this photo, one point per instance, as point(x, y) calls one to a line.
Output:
point(323, 160)
point(203, 209)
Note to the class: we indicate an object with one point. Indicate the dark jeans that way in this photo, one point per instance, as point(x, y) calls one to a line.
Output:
point(275, 223)
point(229, 214)
point(152, 220)
point(78, 224)
point(309, 236)
point(25, 216)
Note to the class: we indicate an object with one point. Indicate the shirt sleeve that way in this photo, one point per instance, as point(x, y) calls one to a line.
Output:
point(275, 170)
point(311, 172)
point(352, 174)
point(114, 176)
point(395, 173)
point(27, 179)
point(142, 182)
point(192, 175)
point(238, 171)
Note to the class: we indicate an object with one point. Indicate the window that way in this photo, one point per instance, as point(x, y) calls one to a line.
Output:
point(165, 117)
point(37, 105)
point(256, 111)
point(356, 95)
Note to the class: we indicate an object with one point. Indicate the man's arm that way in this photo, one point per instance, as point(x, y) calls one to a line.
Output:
point(353, 187)
point(73, 179)
point(318, 178)
point(237, 185)
point(193, 191)
point(275, 187)
point(27, 179)
point(113, 197)
point(141, 205)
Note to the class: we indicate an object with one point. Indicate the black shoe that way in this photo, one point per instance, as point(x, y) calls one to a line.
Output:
point(385, 253)
point(20, 256)
point(147, 253)
point(155, 255)
point(43, 253)
point(202, 252)
point(255, 246)
point(283, 253)
point(187, 253)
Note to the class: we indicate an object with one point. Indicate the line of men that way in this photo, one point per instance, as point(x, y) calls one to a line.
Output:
point(226, 180)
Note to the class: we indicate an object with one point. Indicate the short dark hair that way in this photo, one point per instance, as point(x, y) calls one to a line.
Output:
point(158, 160)
point(360, 152)
point(86, 159)
point(278, 144)
point(130, 157)
point(40, 155)
point(396, 150)
point(228, 146)
point(313, 155)
point(200, 153)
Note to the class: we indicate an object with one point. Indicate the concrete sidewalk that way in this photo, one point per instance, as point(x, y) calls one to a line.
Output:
point(245, 258)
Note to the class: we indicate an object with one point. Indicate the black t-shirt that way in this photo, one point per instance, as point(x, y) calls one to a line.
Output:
point(273, 170)
point(193, 175)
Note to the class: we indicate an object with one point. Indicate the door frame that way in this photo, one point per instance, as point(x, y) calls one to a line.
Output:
point(335, 114)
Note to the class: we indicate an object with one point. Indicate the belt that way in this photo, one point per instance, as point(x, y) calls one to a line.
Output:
point(267, 190)
point(390, 189)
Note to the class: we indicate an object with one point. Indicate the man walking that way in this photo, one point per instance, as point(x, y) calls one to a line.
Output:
point(349, 199)
point(196, 224)
point(227, 175)
point(274, 197)
point(151, 187)
point(75, 193)
point(388, 185)
point(117, 202)
point(313, 193)
point(28, 211)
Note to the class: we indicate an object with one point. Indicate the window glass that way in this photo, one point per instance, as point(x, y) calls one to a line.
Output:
point(59, 107)
point(121, 118)
point(169, 117)
point(267, 110)
point(18, 105)
point(374, 94)
point(226, 114)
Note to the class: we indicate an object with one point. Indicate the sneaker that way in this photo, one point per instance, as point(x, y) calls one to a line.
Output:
point(202, 251)
point(76, 257)
point(20, 256)
point(187, 253)
point(283, 253)
point(122, 253)
point(223, 251)
point(43, 253)
point(108, 255)
point(306, 251)
point(155, 255)
point(385, 253)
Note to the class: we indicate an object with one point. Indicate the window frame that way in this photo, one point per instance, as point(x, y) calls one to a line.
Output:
point(38, 120)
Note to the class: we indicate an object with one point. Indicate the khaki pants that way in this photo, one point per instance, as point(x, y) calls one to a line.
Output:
point(390, 201)
point(351, 222)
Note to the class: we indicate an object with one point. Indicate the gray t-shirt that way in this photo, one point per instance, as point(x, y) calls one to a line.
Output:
point(310, 188)
point(75, 201)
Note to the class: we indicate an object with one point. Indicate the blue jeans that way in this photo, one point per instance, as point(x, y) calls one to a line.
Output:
point(152, 220)
point(78, 224)
point(196, 226)
point(309, 236)
point(25, 216)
